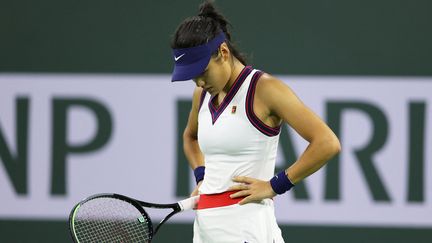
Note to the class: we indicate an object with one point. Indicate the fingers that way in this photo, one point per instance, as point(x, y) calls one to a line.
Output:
point(194, 193)
point(248, 199)
point(252, 190)
point(243, 189)
point(239, 187)
point(244, 179)
point(244, 201)
point(243, 193)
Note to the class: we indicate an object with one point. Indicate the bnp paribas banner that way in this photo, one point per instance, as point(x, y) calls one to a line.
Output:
point(65, 137)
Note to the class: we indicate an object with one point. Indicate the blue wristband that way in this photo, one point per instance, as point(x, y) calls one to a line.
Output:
point(281, 183)
point(199, 173)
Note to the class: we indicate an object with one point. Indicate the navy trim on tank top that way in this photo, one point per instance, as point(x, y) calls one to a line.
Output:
point(255, 121)
point(216, 112)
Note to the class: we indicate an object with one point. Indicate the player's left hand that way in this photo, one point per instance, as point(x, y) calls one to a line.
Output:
point(252, 189)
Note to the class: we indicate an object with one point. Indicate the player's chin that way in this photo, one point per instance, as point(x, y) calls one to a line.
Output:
point(212, 91)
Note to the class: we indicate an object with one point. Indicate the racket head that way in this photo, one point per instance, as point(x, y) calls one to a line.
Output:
point(110, 218)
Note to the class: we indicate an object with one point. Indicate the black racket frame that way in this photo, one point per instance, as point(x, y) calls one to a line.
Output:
point(137, 204)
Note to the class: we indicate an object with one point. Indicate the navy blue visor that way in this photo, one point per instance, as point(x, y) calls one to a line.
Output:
point(191, 62)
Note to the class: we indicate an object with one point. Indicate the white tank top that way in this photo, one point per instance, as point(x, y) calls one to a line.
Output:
point(233, 140)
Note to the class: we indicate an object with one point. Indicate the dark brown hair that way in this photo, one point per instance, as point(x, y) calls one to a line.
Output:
point(200, 29)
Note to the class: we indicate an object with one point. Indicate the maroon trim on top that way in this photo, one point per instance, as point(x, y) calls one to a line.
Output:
point(216, 112)
point(256, 122)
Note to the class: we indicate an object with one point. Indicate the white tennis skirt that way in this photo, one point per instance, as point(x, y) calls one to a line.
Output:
point(251, 223)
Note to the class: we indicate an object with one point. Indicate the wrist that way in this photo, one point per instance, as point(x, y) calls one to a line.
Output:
point(280, 183)
point(199, 173)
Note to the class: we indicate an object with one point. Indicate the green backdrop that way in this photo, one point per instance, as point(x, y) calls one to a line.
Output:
point(334, 37)
point(337, 37)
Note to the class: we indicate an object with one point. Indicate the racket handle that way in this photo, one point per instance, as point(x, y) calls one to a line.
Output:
point(188, 203)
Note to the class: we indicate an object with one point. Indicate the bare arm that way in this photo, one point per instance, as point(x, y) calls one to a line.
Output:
point(277, 103)
point(190, 136)
point(323, 143)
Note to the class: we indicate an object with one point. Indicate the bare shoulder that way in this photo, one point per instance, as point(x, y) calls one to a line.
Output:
point(197, 92)
point(196, 98)
point(269, 79)
point(192, 124)
point(270, 89)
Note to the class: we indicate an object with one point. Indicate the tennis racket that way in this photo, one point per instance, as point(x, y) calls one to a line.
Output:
point(117, 218)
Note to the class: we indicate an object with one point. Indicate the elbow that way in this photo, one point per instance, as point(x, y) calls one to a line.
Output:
point(185, 135)
point(188, 136)
point(337, 147)
point(333, 146)
point(329, 146)
point(187, 141)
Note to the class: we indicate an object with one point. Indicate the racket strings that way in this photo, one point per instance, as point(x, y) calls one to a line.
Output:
point(110, 220)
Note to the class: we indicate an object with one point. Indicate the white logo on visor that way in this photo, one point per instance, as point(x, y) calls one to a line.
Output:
point(177, 58)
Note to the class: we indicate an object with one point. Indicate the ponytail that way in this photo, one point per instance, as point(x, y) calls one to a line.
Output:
point(208, 10)
point(198, 30)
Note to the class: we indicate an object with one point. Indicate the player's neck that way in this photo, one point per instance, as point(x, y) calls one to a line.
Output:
point(236, 70)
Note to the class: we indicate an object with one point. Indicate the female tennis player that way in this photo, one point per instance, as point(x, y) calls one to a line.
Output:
point(232, 134)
